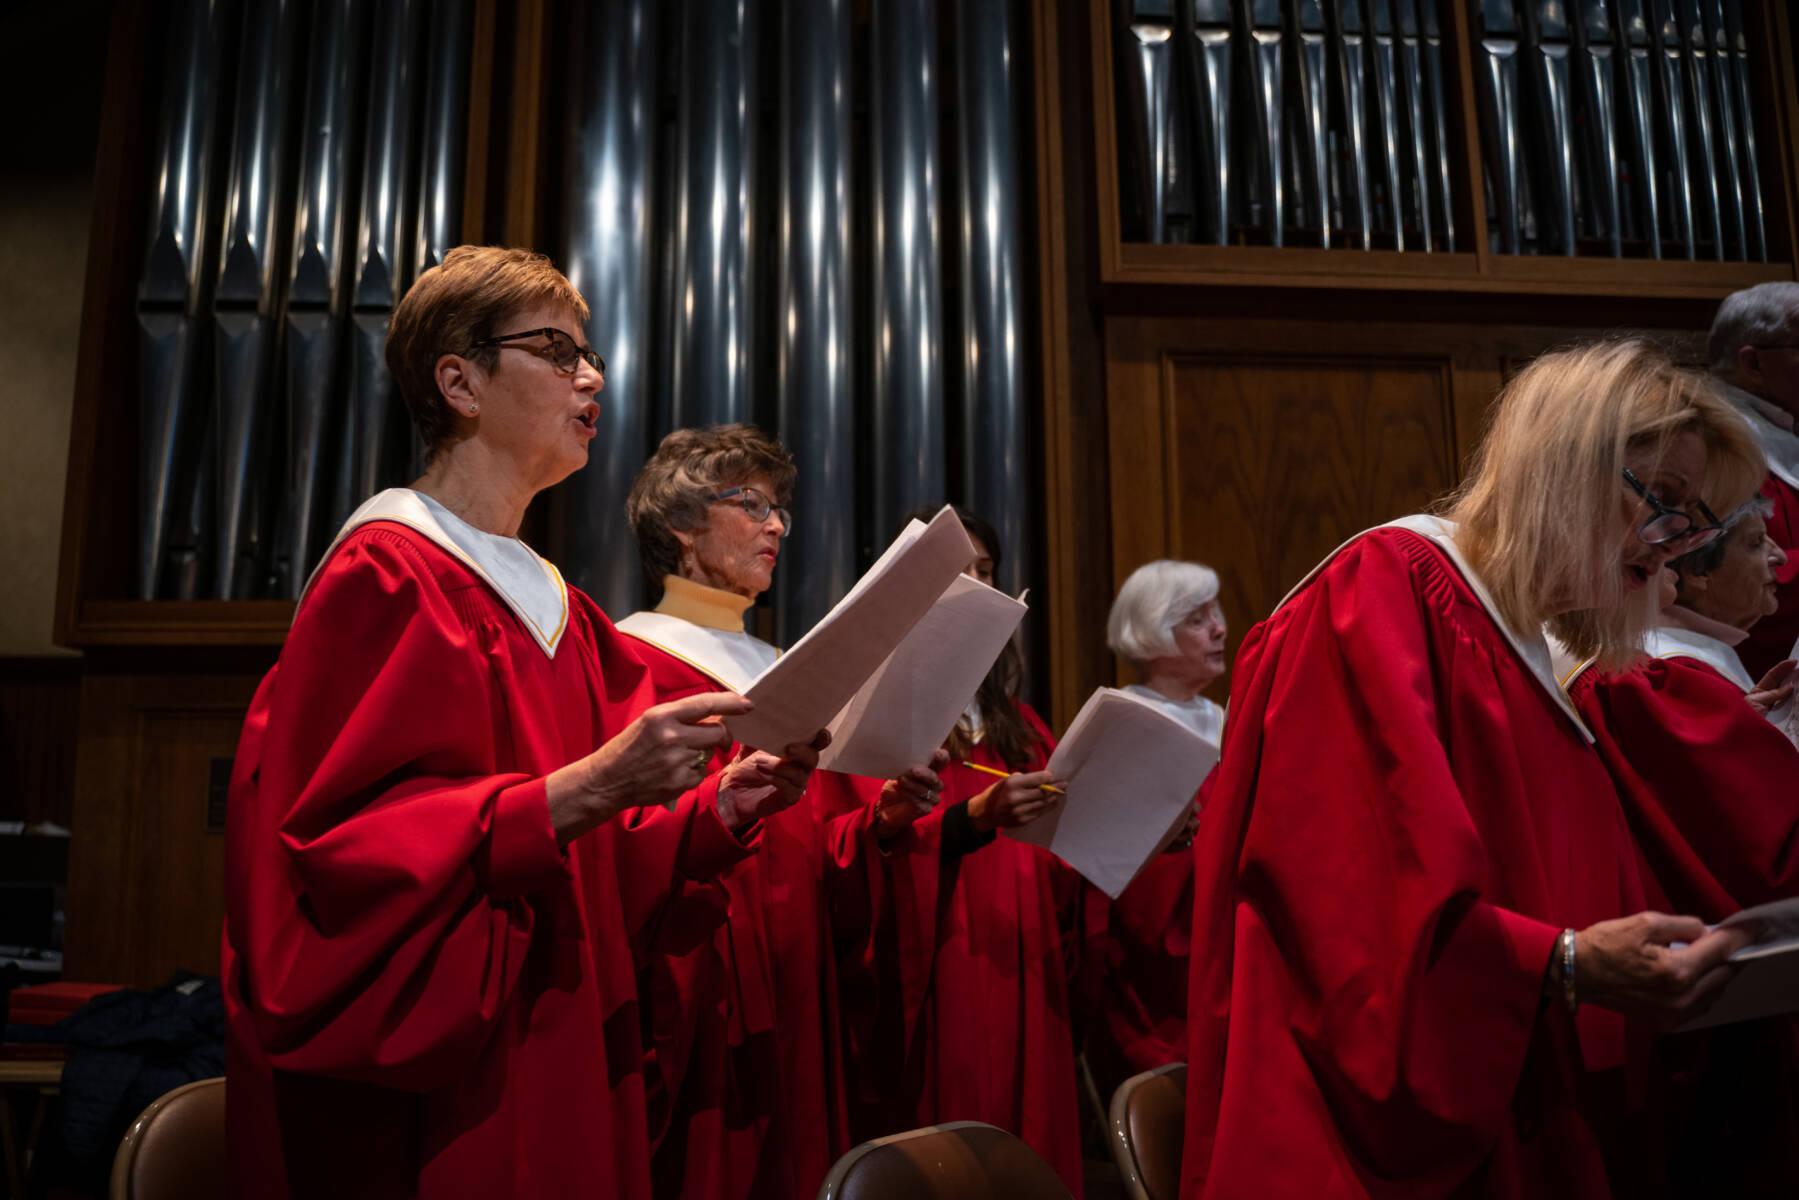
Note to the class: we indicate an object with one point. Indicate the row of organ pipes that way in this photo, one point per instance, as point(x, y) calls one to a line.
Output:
point(1607, 127)
point(310, 164)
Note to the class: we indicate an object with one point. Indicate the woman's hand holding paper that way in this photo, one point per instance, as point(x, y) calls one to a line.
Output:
point(1015, 800)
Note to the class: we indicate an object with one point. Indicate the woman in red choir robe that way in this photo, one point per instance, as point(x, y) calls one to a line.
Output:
point(752, 1105)
point(1707, 782)
point(1410, 840)
point(992, 1036)
point(445, 828)
point(1167, 621)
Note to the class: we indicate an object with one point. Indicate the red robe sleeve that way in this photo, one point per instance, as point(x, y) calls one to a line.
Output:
point(386, 852)
point(1361, 1012)
point(1711, 789)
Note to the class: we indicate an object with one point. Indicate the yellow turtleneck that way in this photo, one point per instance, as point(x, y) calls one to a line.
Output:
point(707, 607)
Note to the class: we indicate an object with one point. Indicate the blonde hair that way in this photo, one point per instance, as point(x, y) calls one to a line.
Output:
point(1538, 513)
point(1158, 596)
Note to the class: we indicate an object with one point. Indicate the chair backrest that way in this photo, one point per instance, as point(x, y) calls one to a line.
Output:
point(175, 1150)
point(961, 1160)
point(1149, 1124)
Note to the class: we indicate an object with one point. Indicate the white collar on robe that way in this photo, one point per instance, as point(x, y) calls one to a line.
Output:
point(693, 623)
point(1532, 649)
point(1773, 429)
point(1199, 714)
point(1672, 641)
point(526, 583)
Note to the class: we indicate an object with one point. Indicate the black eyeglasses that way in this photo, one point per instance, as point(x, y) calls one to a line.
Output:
point(1671, 524)
point(756, 505)
point(560, 351)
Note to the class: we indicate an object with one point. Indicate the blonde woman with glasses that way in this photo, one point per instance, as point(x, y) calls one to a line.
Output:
point(1427, 968)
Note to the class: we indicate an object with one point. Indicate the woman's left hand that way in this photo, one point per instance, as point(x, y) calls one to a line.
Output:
point(1774, 687)
point(909, 796)
point(757, 785)
point(1184, 839)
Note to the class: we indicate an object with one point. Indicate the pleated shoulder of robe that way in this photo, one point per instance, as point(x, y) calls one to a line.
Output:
point(1404, 819)
point(1711, 789)
point(426, 996)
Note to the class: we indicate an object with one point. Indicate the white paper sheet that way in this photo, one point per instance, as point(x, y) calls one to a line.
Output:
point(1132, 770)
point(805, 689)
point(910, 704)
point(1785, 715)
point(1767, 980)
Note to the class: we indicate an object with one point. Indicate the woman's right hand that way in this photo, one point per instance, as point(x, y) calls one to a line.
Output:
point(1775, 687)
point(666, 751)
point(1015, 800)
point(1631, 966)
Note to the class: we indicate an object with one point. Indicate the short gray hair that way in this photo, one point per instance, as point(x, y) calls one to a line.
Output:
point(1710, 557)
point(1157, 597)
point(1756, 316)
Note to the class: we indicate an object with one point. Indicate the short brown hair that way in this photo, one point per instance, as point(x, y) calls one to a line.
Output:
point(670, 492)
point(457, 303)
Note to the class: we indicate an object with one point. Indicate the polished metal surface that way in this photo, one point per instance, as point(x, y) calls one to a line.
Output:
point(244, 300)
point(995, 472)
point(1146, 77)
point(1381, 49)
point(443, 143)
point(816, 384)
point(712, 345)
point(1637, 124)
point(1349, 72)
point(1415, 130)
point(1548, 77)
point(1497, 95)
point(1442, 198)
point(609, 194)
point(1596, 82)
point(1696, 63)
point(908, 433)
point(1305, 23)
point(1748, 166)
point(1267, 82)
point(173, 293)
point(1677, 169)
point(1205, 46)
point(1722, 101)
point(371, 450)
point(313, 333)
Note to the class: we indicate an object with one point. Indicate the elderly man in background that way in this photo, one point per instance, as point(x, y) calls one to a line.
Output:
point(1754, 348)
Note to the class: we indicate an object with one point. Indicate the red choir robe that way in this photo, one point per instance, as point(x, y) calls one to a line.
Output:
point(425, 996)
point(746, 1025)
point(1406, 815)
point(1709, 789)
point(992, 1036)
point(1771, 639)
point(1142, 942)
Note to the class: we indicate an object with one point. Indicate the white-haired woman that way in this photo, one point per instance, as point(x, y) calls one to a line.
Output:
point(1707, 782)
point(1413, 870)
point(1168, 624)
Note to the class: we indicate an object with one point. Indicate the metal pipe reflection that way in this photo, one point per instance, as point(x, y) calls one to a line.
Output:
point(1305, 18)
point(444, 143)
point(1146, 78)
point(1722, 102)
point(1348, 73)
point(1670, 104)
point(1596, 82)
point(1441, 198)
point(1496, 78)
point(1383, 116)
point(1547, 75)
point(907, 314)
point(1639, 55)
point(1749, 168)
point(1205, 45)
point(1267, 83)
point(816, 368)
point(174, 292)
point(1415, 116)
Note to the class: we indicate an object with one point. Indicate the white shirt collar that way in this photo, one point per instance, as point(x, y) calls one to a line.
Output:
point(1773, 429)
point(1199, 714)
point(1530, 647)
point(526, 583)
point(1668, 641)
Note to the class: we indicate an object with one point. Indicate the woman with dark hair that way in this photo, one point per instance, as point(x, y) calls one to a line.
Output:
point(997, 919)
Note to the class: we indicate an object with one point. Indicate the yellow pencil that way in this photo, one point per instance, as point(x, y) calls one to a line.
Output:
point(1007, 775)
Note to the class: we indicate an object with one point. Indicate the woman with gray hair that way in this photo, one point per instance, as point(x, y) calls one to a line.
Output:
point(1706, 779)
point(753, 1105)
point(1166, 622)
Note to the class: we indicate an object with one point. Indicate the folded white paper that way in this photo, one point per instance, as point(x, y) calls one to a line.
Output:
point(1767, 978)
point(891, 667)
point(1785, 715)
point(1132, 771)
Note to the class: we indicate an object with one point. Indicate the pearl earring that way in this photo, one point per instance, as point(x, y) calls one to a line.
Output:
point(473, 409)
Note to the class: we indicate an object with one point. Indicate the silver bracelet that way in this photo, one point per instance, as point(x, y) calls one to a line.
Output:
point(1568, 994)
